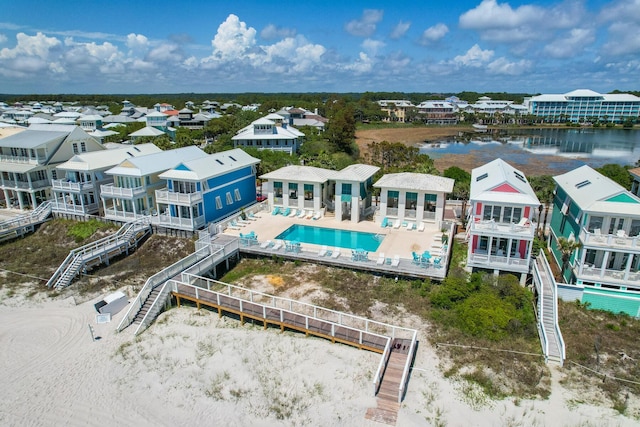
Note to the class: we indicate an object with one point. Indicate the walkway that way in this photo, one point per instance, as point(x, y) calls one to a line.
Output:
point(24, 223)
point(547, 305)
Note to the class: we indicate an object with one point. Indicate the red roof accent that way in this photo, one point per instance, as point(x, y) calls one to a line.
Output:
point(505, 188)
point(172, 112)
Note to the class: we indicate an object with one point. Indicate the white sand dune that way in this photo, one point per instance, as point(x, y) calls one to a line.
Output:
point(191, 368)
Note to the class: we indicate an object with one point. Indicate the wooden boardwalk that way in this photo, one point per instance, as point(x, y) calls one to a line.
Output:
point(387, 396)
point(280, 317)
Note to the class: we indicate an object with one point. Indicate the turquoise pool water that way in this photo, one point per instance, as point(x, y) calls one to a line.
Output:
point(332, 237)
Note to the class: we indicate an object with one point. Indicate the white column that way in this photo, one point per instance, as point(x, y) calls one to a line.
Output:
point(355, 212)
point(383, 202)
point(440, 208)
point(7, 199)
point(420, 207)
point(285, 193)
point(338, 201)
point(34, 202)
point(402, 199)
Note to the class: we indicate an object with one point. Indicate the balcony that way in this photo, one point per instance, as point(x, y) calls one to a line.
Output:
point(484, 260)
point(60, 206)
point(183, 199)
point(595, 274)
point(589, 238)
point(24, 185)
point(109, 190)
point(506, 229)
point(75, 187)
point(169, 221)
point(122, 215)
point(19, 159)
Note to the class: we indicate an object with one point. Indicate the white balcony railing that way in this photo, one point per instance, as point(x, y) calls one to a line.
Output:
point(182, 223)
point(43, 183)
point(609, 240)
point(109, 190)
point(503, 228)
point(118, 214)
point(62, 184)
point(497, 261)
point(19, 159)
point(592, 273)
point(186, 199)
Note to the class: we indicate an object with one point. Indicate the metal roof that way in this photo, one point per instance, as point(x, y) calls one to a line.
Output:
point(97, 160)
point(591, 190)
point(416, 182)
point(486, 178)
point(31, 138)
point(357, 172)
point(212, 165)
point(300, 174)
point(156, 163)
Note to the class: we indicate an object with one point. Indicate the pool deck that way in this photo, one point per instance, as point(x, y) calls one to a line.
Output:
point(397, 242)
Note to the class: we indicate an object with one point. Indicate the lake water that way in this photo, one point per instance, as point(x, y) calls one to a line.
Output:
point(594, 147)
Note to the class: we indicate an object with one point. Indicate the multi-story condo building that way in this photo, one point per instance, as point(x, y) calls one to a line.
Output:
point(76, 192)
point(269, 133)
point(604, 218)
point(635, 185)
point(500, 228)
point(584, 105)
point(438, 112)
point(135, 180)
point(396, 109)
point(28, 161)
point(206, 189)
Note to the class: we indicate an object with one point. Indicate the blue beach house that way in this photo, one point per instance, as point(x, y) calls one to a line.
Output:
point(206, 189)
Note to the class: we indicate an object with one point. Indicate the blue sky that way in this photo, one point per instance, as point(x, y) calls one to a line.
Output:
point(323, 46)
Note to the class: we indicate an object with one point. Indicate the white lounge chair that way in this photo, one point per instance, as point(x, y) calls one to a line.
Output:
point(396, 261)
point(421, 226)
point(276, 246)
point(396, 224)
point(309, 215)
point(335, 253)
point(411, 226)
point(302, 214)
point(317, 215)
point(293, 213)
point(233, 226)
point(380, 259)
point(323, 251)
point(266, 244)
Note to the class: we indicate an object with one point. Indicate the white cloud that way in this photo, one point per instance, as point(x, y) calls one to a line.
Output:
point(504, 66)
point(166, 52)
point(474, 57)
point(137, 42)
point(3, 38)
point(500, 22)
point(400, 30)
point(365, 26)
point(571, 44)
point(38, 45)
point(624, 38)
point(372, 46)
point(621, 10)
point(233, 39)
point(271, 32)
point(434, 33)
point(363, 64)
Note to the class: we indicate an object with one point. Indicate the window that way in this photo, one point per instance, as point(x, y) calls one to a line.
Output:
point(218, 202)
point(83, 147)
point(595, 222)
point(346, 189)
point(411, 201)
point(229, 199)
point(75, 148)
point(308, 191)
point(392, 199)
point(635, 228)
point(293, 190)
point(484, 243)
point(236, 194)
point(277, 189)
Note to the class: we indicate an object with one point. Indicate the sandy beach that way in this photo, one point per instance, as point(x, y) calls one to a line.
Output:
point(192, 368)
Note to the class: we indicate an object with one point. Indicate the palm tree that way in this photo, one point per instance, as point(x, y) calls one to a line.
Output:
point(566, 248)
point(544, 187)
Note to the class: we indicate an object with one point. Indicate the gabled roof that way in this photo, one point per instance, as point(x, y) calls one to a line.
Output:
point(147, 131)
point(274, 116)
point(35, 137)
point(300, 174)
point(498, 181)
point(210, 166)
point(415, 181)
point(594, 192)
point(156, 163)
point(156, 114)
point(97, 160)
point(635, 172)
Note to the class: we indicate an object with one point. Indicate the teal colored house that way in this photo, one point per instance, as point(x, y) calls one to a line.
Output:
point(605, 218)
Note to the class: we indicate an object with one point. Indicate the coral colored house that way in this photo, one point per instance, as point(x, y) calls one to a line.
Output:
point(500, 228)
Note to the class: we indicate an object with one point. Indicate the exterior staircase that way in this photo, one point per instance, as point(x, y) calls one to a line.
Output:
point(21, 225)
point(146, 306)
point(98, 252)
point(547, 306)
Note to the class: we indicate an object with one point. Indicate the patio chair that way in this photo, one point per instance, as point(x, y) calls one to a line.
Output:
point(421, 226)
point(396, 224)
point(383, 224)
point(354, 255)
point(323, 251)
point(309, 214)
point(436, 262)
point(251, 217)
point(232, 226)
point(302, 214)
point(286, 212)
point(236, 223)
point(380, 259)
point(335, 253)
point(276, 246)
point(293, 213)
point(266, 244)
point(416, 258)
point(411, 226)
point(243, 221)
point(396, 261)
point(275, 211)
point(317, 215)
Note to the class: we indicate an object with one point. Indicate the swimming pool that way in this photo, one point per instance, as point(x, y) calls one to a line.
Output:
point(332, 237)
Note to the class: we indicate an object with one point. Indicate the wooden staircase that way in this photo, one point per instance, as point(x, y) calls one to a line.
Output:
point(387, 397)
point(147, 305)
